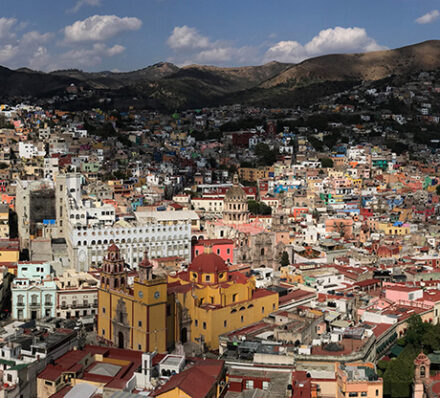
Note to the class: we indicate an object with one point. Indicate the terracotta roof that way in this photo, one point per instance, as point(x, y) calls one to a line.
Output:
point(196, 382)
point(209, 263)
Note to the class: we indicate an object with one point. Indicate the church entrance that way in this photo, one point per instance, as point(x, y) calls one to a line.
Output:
point(184, 335)
point(120, 340)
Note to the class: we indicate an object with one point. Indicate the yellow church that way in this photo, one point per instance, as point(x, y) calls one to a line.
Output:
point(196, 305)
point(208, 300)
point(134, 316)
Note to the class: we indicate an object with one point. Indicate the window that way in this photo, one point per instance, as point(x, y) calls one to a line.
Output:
point(218, 251)
point(196, 322)
point(207, 278)
point(273, 306)
point(225, 323)
point(140, 324)
point(377, 393)
point(139, 347)
point(204, 325)
point(249, 384)
point(103, 310)
point(352, 394)
point(265, 385)
point(262, 310)
point(228, 251)
point(234, 297)
point(364, 394)
point(242, 319)
point(47, 382)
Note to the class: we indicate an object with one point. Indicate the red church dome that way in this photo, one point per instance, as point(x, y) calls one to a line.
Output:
point(208, 263)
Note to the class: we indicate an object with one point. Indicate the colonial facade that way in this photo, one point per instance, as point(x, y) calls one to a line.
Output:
point(77, 295)
point(33, 291)
point(208, 300)
point(132, 317)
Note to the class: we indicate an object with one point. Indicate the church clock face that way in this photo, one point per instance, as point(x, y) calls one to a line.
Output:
point(141, 294)
point(156, 295)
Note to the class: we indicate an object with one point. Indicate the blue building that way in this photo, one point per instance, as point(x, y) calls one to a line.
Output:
point(33, 291)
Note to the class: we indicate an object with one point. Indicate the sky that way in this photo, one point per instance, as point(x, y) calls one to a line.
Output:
point(123, 35)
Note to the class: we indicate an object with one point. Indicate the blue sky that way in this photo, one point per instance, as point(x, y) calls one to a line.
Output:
point(124, 35)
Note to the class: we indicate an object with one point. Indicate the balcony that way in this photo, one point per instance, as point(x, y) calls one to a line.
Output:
point(48, 303)
point(20, 304)
point(34, 305)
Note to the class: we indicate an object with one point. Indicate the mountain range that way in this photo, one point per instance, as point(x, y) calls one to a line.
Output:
point(166, 86)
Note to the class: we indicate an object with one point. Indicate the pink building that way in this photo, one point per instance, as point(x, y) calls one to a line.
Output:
point(398, 293)
point(222, 247)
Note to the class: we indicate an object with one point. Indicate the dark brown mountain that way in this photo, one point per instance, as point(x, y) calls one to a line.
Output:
point(166, 86)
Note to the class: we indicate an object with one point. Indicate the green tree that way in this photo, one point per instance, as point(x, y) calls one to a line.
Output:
point(284, 259)
point(399, 374)
point(258, 208)
point(326, 162)
point(265, 155)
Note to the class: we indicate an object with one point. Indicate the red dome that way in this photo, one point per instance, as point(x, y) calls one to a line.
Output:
point(208, 263)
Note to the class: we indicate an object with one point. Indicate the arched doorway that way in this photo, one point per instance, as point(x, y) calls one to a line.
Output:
point(120, 340)
point(184, 335)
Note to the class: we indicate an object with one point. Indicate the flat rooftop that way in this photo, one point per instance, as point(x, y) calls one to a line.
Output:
point(105, 369)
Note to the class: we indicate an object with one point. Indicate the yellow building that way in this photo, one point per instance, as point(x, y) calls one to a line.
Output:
point(289, 275)
point(4, 221)
point(9, 253)
point(394, 229)
point(208, 300)
point(131, 317)
point(254, 173)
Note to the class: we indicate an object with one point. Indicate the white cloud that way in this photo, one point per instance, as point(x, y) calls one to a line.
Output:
point(99, 28)
point(6, 29)
point(429, 17)
point(27, 50)
point(191, 47)
point(185, 37)
point(36, 50)
point(222, 55)
point(86, 56)
point(80, 3)
point(332, 40)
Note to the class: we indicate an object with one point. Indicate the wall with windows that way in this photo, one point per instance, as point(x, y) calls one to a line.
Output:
point(33, 292)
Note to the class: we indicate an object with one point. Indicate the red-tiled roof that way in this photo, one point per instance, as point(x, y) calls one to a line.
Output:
point(209, 263)
point(196, 381)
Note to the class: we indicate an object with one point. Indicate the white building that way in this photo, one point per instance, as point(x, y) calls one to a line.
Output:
point(89, 227)
point(28, 150)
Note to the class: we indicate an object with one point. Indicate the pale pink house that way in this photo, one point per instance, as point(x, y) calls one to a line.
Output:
point(398, 293)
